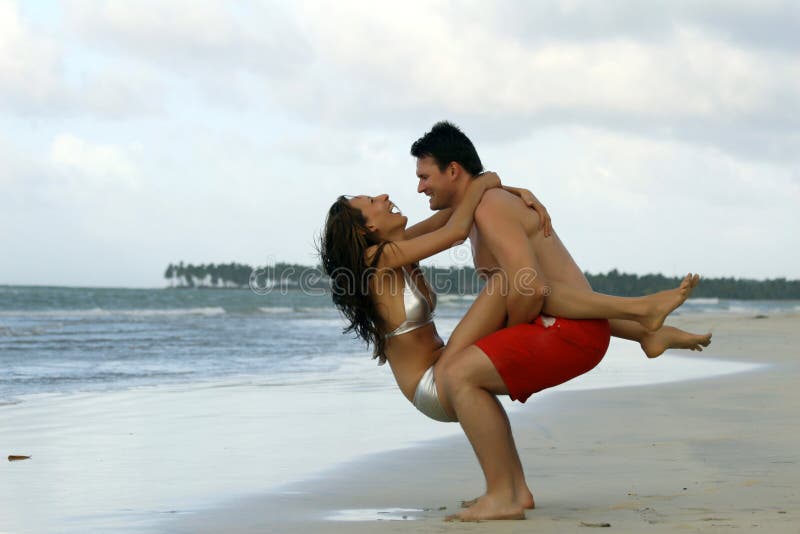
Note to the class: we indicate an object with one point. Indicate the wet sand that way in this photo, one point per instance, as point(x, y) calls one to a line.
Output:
point(705, 455)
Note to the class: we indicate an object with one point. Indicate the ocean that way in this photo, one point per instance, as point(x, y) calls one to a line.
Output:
point(63, 340)
point(157, 384)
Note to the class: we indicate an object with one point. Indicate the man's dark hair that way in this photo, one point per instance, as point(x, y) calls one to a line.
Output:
point(447, 143)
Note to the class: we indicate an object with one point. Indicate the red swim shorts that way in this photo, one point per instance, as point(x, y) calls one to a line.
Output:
point(545, 353)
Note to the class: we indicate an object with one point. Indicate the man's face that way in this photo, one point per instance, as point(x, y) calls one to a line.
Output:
point(434, 183)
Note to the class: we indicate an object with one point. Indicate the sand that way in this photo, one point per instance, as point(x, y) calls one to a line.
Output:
point(706, 455)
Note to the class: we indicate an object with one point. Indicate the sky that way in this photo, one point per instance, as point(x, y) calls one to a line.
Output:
point(663, 137)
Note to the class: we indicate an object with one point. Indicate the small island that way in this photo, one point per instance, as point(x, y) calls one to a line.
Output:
point(464, 281)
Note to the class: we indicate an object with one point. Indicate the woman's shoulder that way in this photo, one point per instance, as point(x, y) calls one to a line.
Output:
point(373, 253)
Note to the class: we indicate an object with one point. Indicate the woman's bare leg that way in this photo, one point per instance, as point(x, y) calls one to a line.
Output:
point(650, 311)
point(488, 313)
point(655, 343)
point(631, 317)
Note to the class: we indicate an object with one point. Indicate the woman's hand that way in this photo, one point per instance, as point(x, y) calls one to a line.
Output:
point(545, 224)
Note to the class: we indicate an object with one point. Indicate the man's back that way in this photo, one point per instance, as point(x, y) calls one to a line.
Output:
point(498, 210)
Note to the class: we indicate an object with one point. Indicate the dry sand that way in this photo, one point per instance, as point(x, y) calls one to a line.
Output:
point(705, 455)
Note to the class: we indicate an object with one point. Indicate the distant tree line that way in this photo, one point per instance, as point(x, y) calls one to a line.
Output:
point(464, 281)
point(627, 285)
point(210, 275)
point(239, 275)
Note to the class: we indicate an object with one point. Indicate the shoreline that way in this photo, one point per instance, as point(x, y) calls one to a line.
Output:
point(189, 456)
point(679, 455)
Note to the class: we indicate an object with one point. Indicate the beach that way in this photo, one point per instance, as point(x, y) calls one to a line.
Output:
point(331, 446)
point(231, 230)
point(715, 455)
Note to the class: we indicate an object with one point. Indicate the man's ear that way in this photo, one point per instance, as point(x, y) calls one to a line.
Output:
point(453, 170)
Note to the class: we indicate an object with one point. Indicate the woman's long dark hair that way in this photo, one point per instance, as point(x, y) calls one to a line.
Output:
point(342, 248)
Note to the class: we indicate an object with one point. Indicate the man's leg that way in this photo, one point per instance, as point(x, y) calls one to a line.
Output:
point(486, 315)
point(518, 361)
point(468, 385)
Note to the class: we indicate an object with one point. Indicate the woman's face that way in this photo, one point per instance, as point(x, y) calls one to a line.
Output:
point(381, 214)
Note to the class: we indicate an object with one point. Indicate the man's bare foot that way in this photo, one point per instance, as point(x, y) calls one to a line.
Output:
point(488, 508)
point(524, 499)
point(661, 304)
point(668, 337)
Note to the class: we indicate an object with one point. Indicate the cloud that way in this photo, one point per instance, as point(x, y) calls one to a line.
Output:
point(235, 125)
point(97, 165)
point(29, 62)
point(697, 73)
point(11, 163)
point(41, 75)
point(329, 147)
point(391, 68)
point(119, 91)
point(189, 37)
point(769, 24)
point(671, 173)
point(659, 206)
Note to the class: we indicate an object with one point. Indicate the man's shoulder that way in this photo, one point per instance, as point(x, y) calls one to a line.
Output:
point(495, 202)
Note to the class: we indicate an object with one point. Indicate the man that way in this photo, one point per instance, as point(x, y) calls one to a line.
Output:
point(523, 266)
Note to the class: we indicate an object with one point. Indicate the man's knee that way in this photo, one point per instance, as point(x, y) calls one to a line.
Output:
point(456, 371)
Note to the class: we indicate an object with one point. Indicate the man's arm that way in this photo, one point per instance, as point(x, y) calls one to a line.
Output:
point(499, 221)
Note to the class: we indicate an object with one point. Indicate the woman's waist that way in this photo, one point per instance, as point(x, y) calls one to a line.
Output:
point(409, 359)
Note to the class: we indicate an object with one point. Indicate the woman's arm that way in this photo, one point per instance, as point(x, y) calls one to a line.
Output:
point(432, 223)
point(440, 218)
point(456, 229)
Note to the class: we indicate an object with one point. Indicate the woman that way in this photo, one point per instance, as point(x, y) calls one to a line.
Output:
point(371, 258)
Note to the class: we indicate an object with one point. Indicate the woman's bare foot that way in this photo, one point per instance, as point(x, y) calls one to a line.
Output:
point(524, 499)
point(668, 337)
point(489, 507)
point(661, 304)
